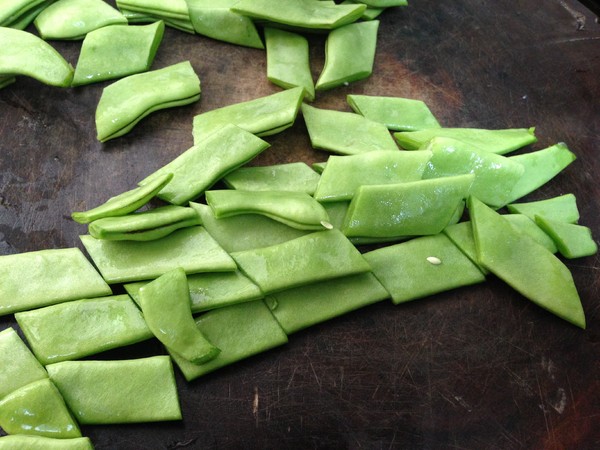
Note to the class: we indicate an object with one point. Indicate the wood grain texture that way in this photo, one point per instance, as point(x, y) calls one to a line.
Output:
point(475, 368)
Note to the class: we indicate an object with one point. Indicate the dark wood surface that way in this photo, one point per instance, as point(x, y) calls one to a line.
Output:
point(474, 368)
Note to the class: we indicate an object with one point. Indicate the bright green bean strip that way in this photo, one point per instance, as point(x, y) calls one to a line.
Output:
point(307, 14)
point(174, 9)
point(262, 116)
point(127, 101)
point(240, 331)
point(28, 442)
point(18, 366)
point(494, 141)
point(201, 166)
point(421, 267)
point(144, 226)
point(46, 277)
point(325, 255)
point(524, 224)
point(461, 235)
point(524, 264)
point(23, 21)
point(572, 241)
point(212, 290)
point(73, 19)
point(406, 209)
point(295, 177)
point(562, 208)
point(288, 61)
point(134, 17)
point(123, 391)
point(215, 19)
point(24, 53)
point(126, 202)
point(191, 248)
point(304, 306)
point(37, 409)
point(396, 113)
point(369, 14)
point(115, 51)
point(245, 232)
point(349, 54)
point(495, 175)
point(165, 303)
point(14, 11)
point(80, 328)
point(294, 209)
point(343, 175)
point(540, 167)
point(345, 133)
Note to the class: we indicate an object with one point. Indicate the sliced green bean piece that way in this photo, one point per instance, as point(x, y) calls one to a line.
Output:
point(524, 264)
point(295, 177)
point(245, 232)
point(349, 54)
point(240, 331)
point(137, 17)
point(421, 267)
point(123, 391)
point(562, 208)
point(18, 366)
point(23, 21)
point(461, 235)
point(24, 53)
point(80, 328)
point(144, 226)
point(174, 13)
point(262, 116)
point(73, 19)
point(494, 141)
point(288, 61)
point(37, 409)
point(115, 51)
point(28, 442)
point(344, 174)
point(528, 226)
point(325, 255)
point(369, 14)
point(406, 209)
point(46, 277)
point(495, 175)
point(212, 290)
point(18, 13)
point(127, 101)
point(165, 303)
point(201, 166)
point(304, 306)
point(126, 202)
point(540, 167)
point(307, 14)
point(215, 19)
point(345, 133)
point(396, 113)
point(191, 248)
point(572, 241)
point(294, 209)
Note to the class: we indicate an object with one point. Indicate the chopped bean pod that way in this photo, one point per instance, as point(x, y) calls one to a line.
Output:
point(562, 208)
point(174, 13)
point(295, 177)
point(572, 241)
point(29, 442)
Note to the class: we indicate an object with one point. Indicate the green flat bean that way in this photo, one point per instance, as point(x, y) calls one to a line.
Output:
point(562, 208)
point(27, 442)
point(81, 328)
point(37, 409)
point(294, 209)
point(46, 277)
point(24, 53)
point(261, 116)
point(572, 241)
point(115, 51)
point(126, 202)
point(201, 166)
point(524, 264)
point(19, 13)
point(295, 177)
point(73, 19)
point(240, 331)
point(191, 248)
point(314, 257)
point(121, 391)
point(174, 13)
point(288, 61)
point(345, 133)
point(369, 14)
point(127, 101)
point(144, 226)
point(165, 304)
point(529, 226)
point(18, 366)
point(349, 54)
